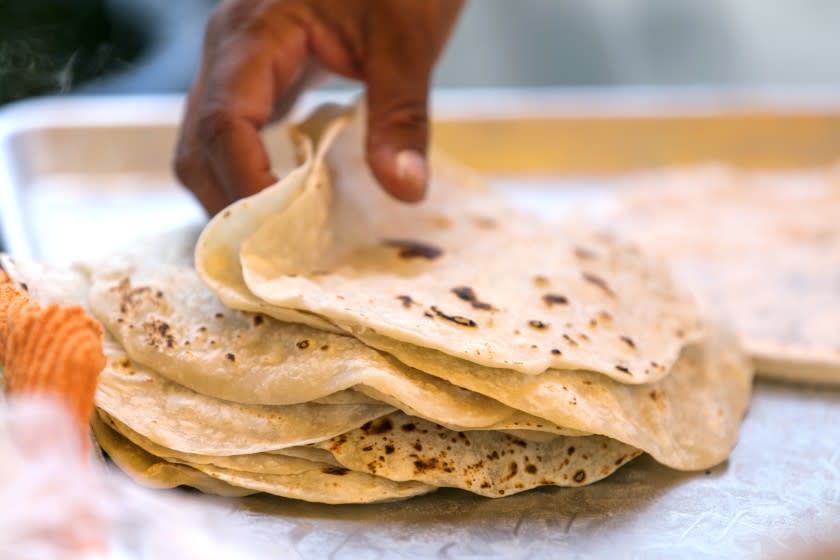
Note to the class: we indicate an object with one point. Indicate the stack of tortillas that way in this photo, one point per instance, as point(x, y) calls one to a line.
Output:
point(761, 250)
point(333, 345)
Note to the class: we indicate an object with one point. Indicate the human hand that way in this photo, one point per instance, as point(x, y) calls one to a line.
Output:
point(259, 55)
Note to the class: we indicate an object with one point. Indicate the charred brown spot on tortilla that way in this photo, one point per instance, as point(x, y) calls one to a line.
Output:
point(599, 283)
point(406, 301)
point(570, 340)
point(513, 469)
point(457, 319)
point(389, 449)
point(377, 427)
point(584, 254)
point(421, 465)
point(540, 281)
point(158, 334)
point(338, 471)
point(604, 316)
point(367, 448)
point(303, 344)
point(465, 293)
point(623, 369)
point(531, 469)
point(409, 427)
point(679, 333)
point(130, 297)
point(539, 325)
point(325, 347)
point(258, 320)
point(25, 286)
point(468, 294)
point(555, 299)
point(580, 476)
point(584, 337)
point(556, 352)
point(220, 315)
point(628, 341)
point(231, 357)
point(409, 249)
point(571, 450)
point(428, 314)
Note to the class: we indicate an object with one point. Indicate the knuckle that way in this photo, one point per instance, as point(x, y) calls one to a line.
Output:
point(405, 123)
point(213, 122)
point(409, 115)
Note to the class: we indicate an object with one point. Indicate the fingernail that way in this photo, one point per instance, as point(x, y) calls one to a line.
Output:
point(411, 171)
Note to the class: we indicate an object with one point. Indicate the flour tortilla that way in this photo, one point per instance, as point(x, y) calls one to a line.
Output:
point(761, 250)
point(241, 357)
point(328, 485)
point(276, 463)
point(403, 448)
point(400, 447)
point(180, 419)
point(151, 471)
point(689, 420)
point(504, 291)
point(309, 481)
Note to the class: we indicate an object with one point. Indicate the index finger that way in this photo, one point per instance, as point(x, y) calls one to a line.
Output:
point(244, 74)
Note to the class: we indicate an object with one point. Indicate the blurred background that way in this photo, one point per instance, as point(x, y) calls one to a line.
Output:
point(152, 46)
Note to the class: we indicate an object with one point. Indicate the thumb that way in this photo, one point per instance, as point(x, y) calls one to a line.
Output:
point(398, 128)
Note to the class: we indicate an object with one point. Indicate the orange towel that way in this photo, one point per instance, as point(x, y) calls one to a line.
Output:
point(53, 351)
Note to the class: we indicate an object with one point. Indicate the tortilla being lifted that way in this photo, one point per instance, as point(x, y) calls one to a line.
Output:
point(461, 273)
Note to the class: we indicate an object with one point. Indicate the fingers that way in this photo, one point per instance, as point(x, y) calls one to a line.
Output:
point(401, 56)
point(398, 126)
point(250, 57)
point(191, 166)
point(256, 60)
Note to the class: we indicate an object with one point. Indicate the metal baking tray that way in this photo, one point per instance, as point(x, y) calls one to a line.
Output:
point(79, 175)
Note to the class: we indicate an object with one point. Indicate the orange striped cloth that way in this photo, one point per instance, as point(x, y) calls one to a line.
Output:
point(55, 352)
point(50, 351)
